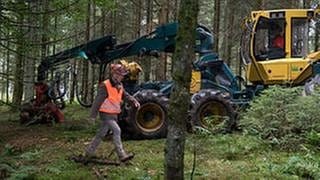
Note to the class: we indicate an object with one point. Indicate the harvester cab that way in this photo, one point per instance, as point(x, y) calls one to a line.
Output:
point(276, 46)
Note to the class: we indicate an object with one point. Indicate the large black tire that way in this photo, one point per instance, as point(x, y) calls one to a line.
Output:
point(214, 103)
point(150, 121)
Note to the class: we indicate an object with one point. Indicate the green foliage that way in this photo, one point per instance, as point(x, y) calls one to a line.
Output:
point(305, 167)
point(9, 150)
point(218, 156)
point(216, 124)
point(5, 167)
point(64, 169)
point(31, 155)
point(16, 170)
point(24, 172)
point(313, 138)
point(283, 117)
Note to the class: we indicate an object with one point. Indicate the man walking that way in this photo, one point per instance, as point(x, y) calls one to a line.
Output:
point(108, 104)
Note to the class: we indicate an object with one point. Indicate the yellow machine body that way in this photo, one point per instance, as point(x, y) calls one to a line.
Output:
point(293, 64)
point(195, 85)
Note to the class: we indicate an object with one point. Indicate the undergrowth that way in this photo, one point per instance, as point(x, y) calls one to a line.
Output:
point(284, 118)
point(218, 156)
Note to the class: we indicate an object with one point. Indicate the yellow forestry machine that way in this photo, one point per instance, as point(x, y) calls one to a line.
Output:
point(277, 47)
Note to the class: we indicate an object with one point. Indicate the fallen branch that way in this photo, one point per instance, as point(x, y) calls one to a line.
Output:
point(95, 160)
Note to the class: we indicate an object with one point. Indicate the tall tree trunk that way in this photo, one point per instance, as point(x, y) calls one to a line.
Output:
point(180, 96)
point(230, 37)
point(114, 18)
point(146, 63)
point(45, 28)
point(54, 50)
point(175, 10)
point(85, 64)
point(72, 83)
point(92, 33)
point(19, 74)
point(316, 38)
point(103, 22)
point(30, 64)
point(227, 38)
point(7, 72)
point(216, 25)
point(138, 19)
point(161, 63)
point(3, 82)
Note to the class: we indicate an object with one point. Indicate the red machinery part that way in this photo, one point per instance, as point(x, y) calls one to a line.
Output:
point(41, 109)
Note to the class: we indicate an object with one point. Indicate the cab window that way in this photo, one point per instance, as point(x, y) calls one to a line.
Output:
point(269, 40)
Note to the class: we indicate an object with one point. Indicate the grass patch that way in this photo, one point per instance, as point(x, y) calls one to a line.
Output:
point(42, 152)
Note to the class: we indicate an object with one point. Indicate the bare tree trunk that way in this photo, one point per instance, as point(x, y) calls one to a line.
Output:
point(19, 74)
point(45, 28)
point(175, 10)
point(114, 18)
point(54, 50)
point(230, 37)
point(30, 65)
point(180, 96)
point(85, 64)
point(72, 83)
point(216, 25)
point(227, 38)
point(7, 71)
point(103, 22)
point(136, 18)
point(3, 82)
point(92, 34)
point(146, 63)
point(316, 38)
point(162, 61)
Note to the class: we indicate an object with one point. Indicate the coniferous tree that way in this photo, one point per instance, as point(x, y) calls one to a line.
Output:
point(19, 73)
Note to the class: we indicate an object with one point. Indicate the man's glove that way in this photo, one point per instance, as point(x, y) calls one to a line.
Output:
point(136, 103)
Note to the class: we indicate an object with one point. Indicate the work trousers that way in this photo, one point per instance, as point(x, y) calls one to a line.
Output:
point(109, 122)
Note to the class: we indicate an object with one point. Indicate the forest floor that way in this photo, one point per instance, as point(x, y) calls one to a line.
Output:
point(43, 152)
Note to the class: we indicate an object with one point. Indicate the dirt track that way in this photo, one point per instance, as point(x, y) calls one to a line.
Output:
point(21, 137)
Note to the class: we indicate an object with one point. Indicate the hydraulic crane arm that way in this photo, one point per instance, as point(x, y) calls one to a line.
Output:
point(160, 40)
point(91, 50)
point(105, 49)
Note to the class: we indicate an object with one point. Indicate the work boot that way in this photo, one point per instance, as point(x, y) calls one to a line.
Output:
point(126, 157)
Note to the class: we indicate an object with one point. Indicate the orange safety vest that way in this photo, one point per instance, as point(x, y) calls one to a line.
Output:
point(112, 103)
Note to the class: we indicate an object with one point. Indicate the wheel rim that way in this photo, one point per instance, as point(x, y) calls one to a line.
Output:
point(150, 117)
point(214, 110)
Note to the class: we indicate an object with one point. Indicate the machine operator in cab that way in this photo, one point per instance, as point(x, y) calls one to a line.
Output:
point(278, 41)
point(277, 48)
